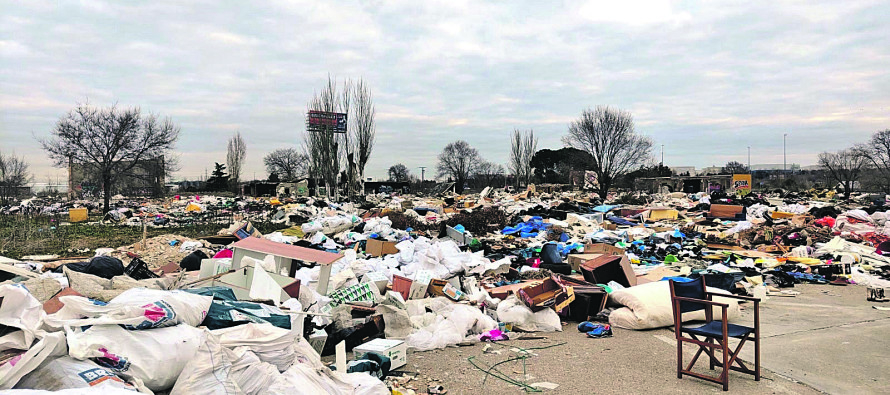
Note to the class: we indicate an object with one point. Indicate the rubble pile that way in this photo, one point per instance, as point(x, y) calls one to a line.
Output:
point(255, 313)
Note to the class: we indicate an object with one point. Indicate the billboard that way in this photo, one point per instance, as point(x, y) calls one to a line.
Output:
point(741, 183)
point(323, 121)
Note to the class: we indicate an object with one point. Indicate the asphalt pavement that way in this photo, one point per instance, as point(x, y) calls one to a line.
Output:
point(828, 339)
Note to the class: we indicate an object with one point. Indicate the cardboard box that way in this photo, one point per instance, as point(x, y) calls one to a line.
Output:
point(602, 248)
point(610, 226)
point(609, 268)
point(380, 248)
point(436, 286)
point(396, 350)
point(590, 299)
point(420, 285)
point(77, 214)
point(575, 260)
point(504, 291)
point(547, 294)
point(378, 279)
point(725, 211)
point(402, 285)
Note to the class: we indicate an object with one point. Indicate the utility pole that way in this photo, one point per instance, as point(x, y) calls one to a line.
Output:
point(749, 158)
point(784, 156)
point(662, 155)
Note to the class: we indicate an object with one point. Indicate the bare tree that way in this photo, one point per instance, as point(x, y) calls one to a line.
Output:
point(844, 167)
point(235, 153)
point(361, 113)
point(877, 152)
point(608, 135)
point(109, 141)
point(399, 173)
point(13, 175)
point(458, 160)
point(523, 148)
point(287, 163)
point(324, 148)
point(487, 172)
point(733, 167)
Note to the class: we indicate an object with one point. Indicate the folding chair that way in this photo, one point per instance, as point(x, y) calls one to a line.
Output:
point(693, 296)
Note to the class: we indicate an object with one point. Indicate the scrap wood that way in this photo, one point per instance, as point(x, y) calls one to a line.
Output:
point(17, 270)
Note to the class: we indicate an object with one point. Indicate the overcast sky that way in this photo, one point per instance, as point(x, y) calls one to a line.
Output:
point(706, 79)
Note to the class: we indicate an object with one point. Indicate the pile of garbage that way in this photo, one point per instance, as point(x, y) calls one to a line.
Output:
point(244, 311)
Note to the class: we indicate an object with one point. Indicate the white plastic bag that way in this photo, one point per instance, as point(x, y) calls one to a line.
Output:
point(137, 308)
point(513, 311)
point(27, 343)
point(19, 310)
point(155, 356)
point(253, 376)
point(208, 371)
point(49, 345)
point(270, 343)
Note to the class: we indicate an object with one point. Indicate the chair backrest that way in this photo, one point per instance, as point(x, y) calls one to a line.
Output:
point(694, 289)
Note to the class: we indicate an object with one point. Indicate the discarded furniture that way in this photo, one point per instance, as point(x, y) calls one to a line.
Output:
point(288, 258)
point(715, 334)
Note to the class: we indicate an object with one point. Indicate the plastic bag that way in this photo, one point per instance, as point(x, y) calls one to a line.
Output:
point(155, 356)
point(136, 308)
point(271, 344)
point(208, 371)
point(49, 345)
point(66, 372)
point(513, 311)
point(19, 310)
point(22, 315)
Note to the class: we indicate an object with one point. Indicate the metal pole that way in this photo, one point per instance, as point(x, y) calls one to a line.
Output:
point(662, 155)
point(749, 158)
point(422, 171)
point(784, 157)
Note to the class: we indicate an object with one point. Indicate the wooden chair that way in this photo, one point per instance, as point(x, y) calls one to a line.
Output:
point(693, 296)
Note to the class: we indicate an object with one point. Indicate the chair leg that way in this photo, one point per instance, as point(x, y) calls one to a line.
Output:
point(710, 360)
point(726, 369)
point(757, 358)
point(679, 359)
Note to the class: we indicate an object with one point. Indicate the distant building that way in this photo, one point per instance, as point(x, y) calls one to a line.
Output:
point(794, 167)
point(687, 184)
point(681, 170)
